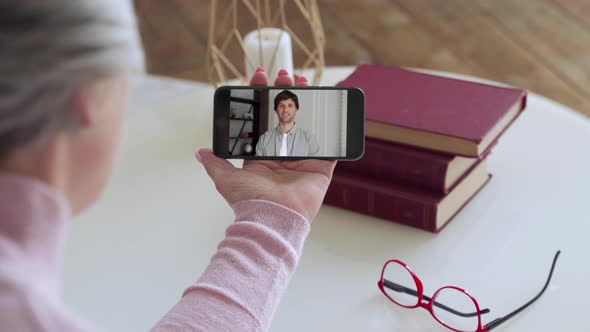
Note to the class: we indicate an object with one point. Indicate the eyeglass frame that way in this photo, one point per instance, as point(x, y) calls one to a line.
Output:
point(429, 303)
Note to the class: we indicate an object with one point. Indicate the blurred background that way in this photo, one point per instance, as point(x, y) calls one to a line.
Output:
point(541, 45)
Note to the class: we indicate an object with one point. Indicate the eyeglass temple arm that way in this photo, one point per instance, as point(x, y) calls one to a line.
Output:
point(500, 320)
point(399, 288)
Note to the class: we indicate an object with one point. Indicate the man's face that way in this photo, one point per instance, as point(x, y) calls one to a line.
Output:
point(286, 111)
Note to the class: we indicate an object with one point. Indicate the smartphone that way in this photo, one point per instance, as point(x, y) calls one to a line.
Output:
point(289, 123)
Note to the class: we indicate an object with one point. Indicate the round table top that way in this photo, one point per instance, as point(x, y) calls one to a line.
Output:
point(129, 258)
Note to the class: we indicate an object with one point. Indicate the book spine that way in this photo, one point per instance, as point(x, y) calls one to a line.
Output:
point(399, 165)
point(370, 200)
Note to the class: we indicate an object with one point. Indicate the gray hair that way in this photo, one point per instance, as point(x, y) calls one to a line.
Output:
point(47, 48)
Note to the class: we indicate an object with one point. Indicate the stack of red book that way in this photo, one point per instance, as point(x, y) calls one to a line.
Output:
point(427, 140)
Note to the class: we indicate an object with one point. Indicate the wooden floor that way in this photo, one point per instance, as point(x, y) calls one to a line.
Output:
point(540, 45)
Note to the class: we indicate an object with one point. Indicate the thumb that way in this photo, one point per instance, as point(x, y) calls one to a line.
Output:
point(216, 167)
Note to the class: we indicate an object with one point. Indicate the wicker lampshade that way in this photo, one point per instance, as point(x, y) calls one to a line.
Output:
point(231, 20)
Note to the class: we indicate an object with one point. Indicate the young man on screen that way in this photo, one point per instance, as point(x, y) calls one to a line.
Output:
point(286, 139)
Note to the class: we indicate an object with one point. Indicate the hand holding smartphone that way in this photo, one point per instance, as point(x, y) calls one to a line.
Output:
point(299, 185)
point(288, 123)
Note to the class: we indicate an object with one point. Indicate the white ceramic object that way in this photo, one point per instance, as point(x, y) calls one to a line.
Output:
point(275, 47)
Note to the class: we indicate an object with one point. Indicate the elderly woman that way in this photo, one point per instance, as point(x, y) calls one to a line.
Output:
point(65, 70)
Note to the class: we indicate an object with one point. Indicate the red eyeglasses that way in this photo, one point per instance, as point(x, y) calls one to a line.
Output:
point(451, 306)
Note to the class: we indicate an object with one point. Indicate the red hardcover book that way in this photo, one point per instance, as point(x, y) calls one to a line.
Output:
point(434, 112)
point(402, 204)
point(408, 165)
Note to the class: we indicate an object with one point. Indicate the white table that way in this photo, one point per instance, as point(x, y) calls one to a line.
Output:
point(153, 232)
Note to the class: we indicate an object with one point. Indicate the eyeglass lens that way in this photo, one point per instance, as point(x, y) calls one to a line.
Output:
point(398, 275)
point(459, 301)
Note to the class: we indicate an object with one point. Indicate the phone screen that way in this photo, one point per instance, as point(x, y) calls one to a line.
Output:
point(293, 122)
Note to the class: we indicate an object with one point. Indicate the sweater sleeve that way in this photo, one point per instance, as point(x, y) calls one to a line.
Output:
point(241, 288)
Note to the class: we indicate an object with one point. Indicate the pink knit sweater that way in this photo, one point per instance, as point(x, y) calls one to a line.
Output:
point(239, 290)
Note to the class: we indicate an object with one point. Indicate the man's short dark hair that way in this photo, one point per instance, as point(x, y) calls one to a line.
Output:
point(284, 95)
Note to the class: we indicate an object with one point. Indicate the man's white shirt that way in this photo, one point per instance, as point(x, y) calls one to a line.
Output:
point(283, 152)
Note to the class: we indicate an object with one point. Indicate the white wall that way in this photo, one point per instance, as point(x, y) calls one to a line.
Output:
point(321, 112)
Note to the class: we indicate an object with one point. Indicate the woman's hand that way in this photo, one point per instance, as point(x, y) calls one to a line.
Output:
point(300, 185)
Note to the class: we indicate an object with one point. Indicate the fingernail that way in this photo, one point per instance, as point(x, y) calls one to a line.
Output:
point(198, 156)
point(259, 78)
point(283, 79)
point(301, 81)
point(259, 69)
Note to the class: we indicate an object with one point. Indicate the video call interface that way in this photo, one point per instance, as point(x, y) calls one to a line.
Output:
point(287, 122)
